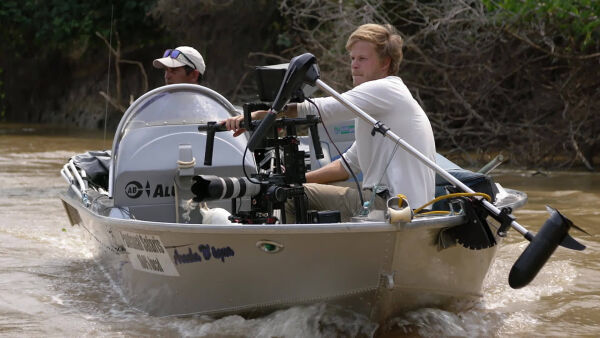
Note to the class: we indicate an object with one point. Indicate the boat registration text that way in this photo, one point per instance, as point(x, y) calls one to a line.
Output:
point(147, 253)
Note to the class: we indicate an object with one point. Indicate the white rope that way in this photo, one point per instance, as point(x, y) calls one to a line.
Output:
point(186, 164)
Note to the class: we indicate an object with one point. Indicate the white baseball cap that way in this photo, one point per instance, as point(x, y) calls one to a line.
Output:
point(179, 57)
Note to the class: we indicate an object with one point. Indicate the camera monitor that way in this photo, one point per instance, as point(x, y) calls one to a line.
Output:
point(268, 81)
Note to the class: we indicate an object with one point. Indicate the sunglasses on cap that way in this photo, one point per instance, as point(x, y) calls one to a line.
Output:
point(174, 54)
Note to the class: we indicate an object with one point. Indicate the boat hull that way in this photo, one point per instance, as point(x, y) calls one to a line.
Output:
point(372, 268)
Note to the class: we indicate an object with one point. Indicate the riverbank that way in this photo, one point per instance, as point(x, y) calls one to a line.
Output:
point(473, 161)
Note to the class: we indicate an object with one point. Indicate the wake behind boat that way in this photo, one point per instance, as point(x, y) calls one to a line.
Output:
point(184, 229)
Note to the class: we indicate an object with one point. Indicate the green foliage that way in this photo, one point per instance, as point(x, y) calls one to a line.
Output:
point(56, 24)
point(576, 21)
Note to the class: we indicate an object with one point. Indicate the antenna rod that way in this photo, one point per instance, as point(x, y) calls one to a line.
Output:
point(112, 7)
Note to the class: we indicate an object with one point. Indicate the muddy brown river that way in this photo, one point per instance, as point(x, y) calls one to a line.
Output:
point(50, 284)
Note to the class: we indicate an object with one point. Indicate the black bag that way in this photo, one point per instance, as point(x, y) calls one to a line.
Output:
point(96, 165)
point(477, 181)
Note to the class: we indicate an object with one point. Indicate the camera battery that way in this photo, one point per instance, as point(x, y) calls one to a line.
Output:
point(327, 216)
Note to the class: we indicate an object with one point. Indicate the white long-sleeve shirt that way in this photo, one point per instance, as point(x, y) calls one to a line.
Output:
point(387, 100)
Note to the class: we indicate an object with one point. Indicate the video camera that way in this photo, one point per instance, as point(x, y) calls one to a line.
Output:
point(281, 165)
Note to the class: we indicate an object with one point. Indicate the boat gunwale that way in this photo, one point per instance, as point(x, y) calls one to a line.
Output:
point(428, 222)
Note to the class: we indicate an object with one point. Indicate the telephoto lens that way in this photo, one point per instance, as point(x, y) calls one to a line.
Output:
point(209, 188)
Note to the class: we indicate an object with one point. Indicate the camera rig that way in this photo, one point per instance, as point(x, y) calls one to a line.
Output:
point(281, 164)
point(281, 173)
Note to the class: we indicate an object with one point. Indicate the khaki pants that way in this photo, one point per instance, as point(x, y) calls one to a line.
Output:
point(332, 197)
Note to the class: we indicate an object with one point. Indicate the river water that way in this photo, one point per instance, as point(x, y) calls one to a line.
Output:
point(50, 284)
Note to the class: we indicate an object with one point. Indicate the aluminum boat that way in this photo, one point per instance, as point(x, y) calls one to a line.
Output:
point(136, 204)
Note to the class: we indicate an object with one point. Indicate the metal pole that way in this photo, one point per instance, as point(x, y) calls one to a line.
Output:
point(492, 164)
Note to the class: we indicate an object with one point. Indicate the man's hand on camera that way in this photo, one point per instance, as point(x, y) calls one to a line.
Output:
point(233, 123)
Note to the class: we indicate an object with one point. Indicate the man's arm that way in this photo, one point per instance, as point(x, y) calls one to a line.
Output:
point(290, 110)
point(233, 123)
point(332, 172)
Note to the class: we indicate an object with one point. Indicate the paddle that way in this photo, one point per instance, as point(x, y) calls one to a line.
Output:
point(555, 230)
point(553, 233)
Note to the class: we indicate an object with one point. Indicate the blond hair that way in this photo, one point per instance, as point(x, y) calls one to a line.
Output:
point(386, 39)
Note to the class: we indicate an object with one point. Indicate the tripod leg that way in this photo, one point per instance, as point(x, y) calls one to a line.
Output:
point(301, 206)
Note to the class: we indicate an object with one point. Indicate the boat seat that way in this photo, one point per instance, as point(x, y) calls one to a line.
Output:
point(477, 181)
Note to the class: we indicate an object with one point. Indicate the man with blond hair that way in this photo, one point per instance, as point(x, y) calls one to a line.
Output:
point(375, 54)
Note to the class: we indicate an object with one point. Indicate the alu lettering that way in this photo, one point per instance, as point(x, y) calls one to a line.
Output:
point(163, 191)
point(158, 191)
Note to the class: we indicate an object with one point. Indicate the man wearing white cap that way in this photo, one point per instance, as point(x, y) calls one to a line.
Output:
point(182, 65)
